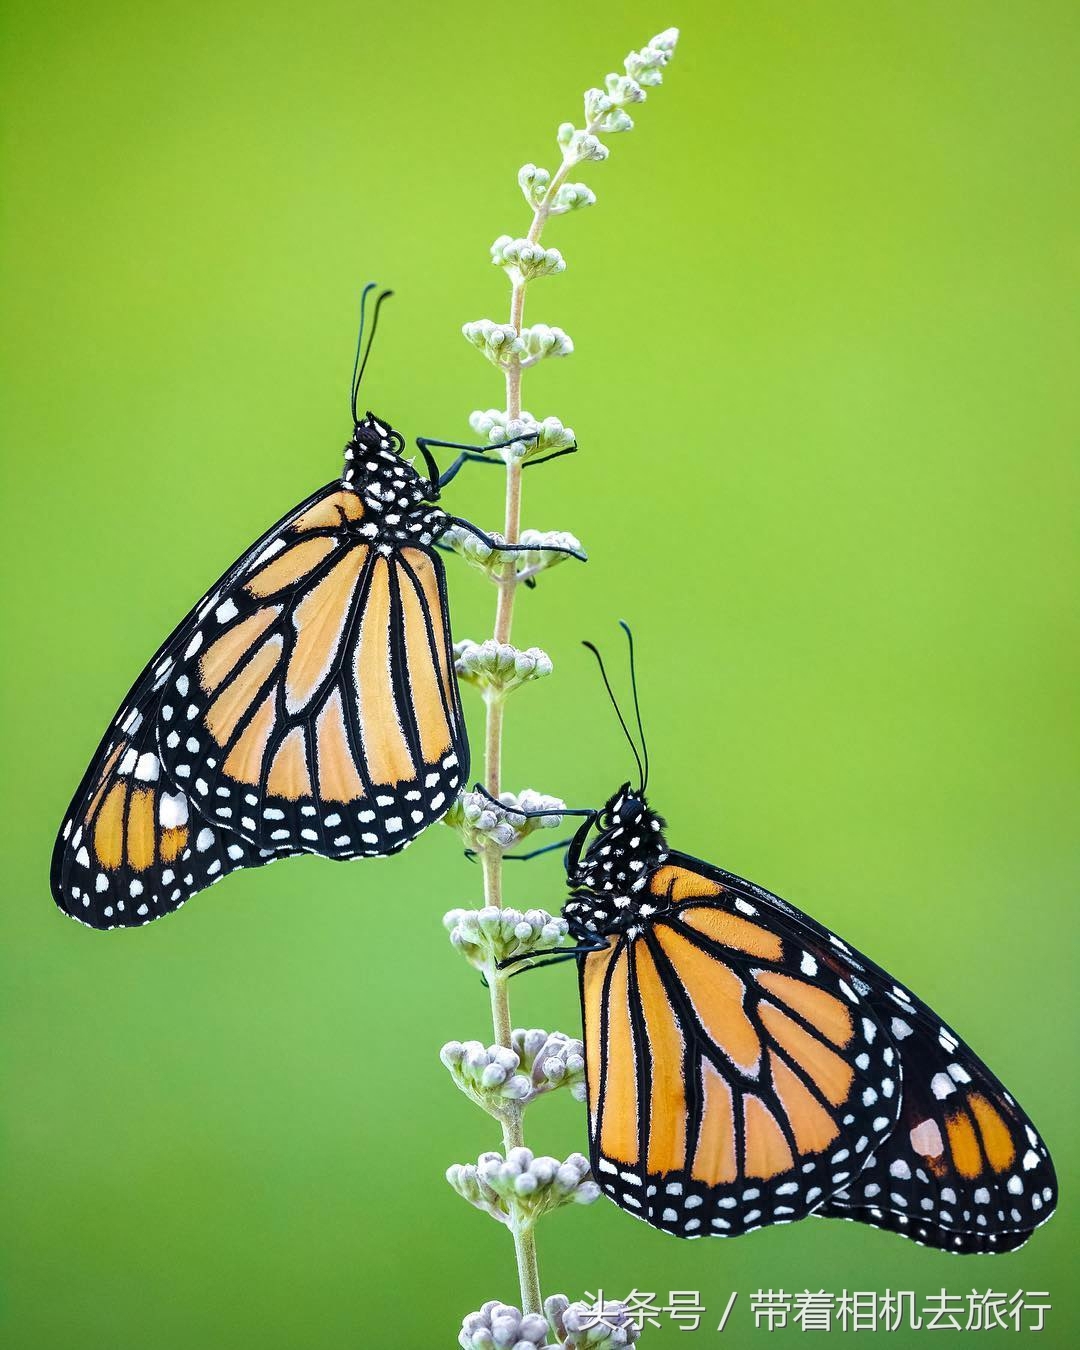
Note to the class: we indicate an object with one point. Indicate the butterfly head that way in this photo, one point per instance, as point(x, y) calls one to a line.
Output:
point(610, 880)
point(393, 493)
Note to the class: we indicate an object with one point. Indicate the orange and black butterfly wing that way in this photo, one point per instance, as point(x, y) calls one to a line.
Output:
point(132, 846)
point(735, 1077)
point(315, 708)
point(964, 1169)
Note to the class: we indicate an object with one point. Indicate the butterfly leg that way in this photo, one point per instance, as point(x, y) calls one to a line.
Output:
point(472, 854)
point(552, 956)
point(555, 454)
point(531, 815)
point(495, 546)
point(470, 454)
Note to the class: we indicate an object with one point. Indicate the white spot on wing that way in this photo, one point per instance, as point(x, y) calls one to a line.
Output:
point(172, 811)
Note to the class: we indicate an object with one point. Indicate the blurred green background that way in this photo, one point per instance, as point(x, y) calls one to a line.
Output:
point(825, 313)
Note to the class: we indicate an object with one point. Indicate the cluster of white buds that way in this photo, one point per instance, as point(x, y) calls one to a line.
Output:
point(571, 197)
point(498, 667)
point(604, 113)
point(647, 65)
point(534, 182)
point(572, 1326)
point(499, 342)
point(580, 147)
point(482, 821)
point(623, 90)
point(521, 1187)
point(543, 436)
point(500, 1326)
point(542, 341)
point(524, 261)
point(486, 937)
point(551, 1059)
point(606, 1325)
point(503, 345)
point(538, 1063)
point(537, 551)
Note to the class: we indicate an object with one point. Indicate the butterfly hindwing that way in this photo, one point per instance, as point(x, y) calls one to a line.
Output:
point(735, 1077)
point(315, 707)
point(965, 1169)
point(132, 847)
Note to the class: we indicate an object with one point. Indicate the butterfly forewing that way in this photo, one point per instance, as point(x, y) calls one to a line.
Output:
point(315, 707)
point(735, 1077)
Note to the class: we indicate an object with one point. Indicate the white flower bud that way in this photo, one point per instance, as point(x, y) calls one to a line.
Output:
point(537, 551)
point(523, 1186)
point(499, 1326)
point(499, 666)
point(541, 341)
point(605, 1325)
point(543, 436)
point(525, 261)
point(646, 65)
point(533, 182)
point(499, 342)
point(572, 197)
point(597, 105)
point(622, 89)
point(616, 120)
point(486, 937)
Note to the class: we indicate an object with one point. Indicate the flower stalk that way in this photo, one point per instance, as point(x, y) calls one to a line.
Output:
point(505, 1078)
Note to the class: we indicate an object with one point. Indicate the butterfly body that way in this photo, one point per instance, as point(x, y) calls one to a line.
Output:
point(747, 1067)
point(395, 500)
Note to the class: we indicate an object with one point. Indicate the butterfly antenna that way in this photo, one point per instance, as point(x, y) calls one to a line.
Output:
point(637, 706)
point(618, 710)
point(354, 383)
point(358, 365)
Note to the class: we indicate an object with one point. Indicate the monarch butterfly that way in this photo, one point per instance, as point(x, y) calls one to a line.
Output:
point(307, 704)
point(747, 1067)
